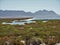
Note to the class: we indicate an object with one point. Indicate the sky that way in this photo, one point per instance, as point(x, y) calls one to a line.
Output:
point(30, 5)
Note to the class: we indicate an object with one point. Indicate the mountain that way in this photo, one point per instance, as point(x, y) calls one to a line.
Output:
point(44, 14)
point(41, 14)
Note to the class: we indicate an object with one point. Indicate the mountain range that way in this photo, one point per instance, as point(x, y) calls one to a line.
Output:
point(40, 14)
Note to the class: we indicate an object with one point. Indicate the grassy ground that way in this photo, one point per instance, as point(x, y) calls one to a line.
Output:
point(43, 30)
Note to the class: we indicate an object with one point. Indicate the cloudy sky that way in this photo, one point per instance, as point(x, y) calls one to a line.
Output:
point(30, 5)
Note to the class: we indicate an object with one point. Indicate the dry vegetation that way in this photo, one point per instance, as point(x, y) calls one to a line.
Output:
point(48, 31)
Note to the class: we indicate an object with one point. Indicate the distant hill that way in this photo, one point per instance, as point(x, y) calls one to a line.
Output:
point(41, 14)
